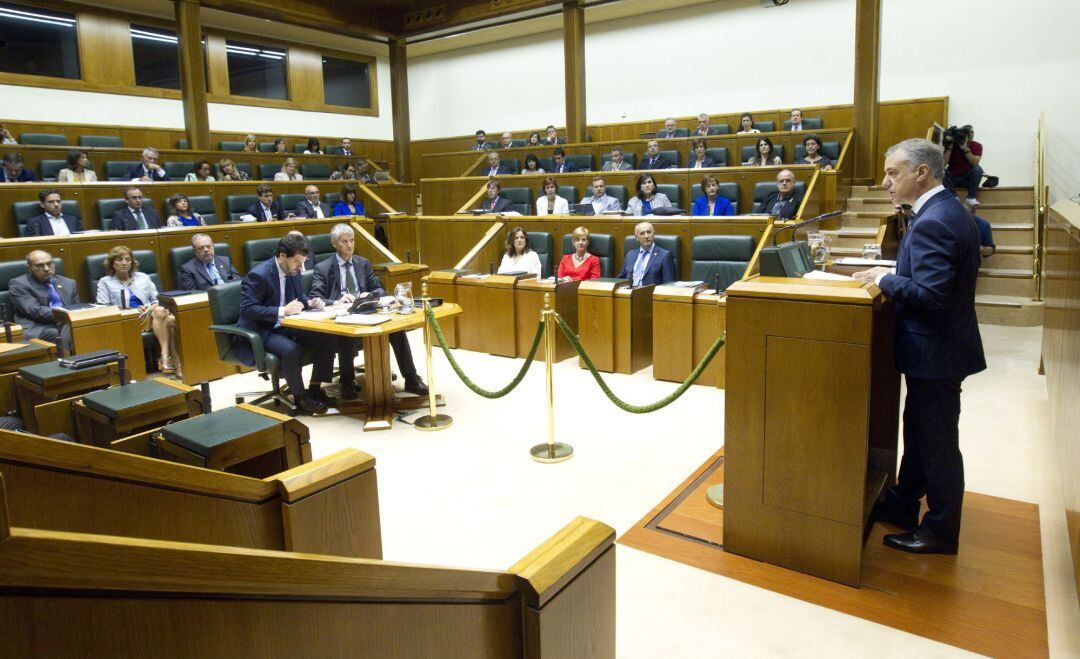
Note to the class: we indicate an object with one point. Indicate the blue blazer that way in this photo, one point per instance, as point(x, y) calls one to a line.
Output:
point(661, 267)
point(259, 302)
point(566, 168)
point(25, 176)
point(137, 171)
point(341, 208)
point(937, 333)
point(720, 207)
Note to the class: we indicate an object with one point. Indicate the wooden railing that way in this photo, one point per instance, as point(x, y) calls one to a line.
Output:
point(1039, 234)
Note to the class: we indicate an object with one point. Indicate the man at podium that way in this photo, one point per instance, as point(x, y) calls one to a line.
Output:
point(937, 346)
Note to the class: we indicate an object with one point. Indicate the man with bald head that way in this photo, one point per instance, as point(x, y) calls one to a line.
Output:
point(937, 346)
point(648, 263)
point(35, 295)
point(784, 201)
point(205, 269)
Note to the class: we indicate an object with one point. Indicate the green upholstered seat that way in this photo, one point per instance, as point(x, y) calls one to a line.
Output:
point(719, 129)
point(266, 147)
point(517, 144)
point(230, 146)
point(48, 139)
point(178, 256)
point(600, 244)
point(672, 244)
point(177, 170)
point(299, 147)
point(540, 241)
point(333, 150)
point(748, 152)
point(49, 169)
point(728, 190)
point(27, 349)
point(203, 433)
point(316, 171)
point(763, 188)
point(116, 170)
point(546, 163)
point(267, 171)
point(201, 204)
point(244, 167)
point(42, 373)
point(8, 271)
point(727, 256)
point(24, 210)
point(112, 141)
point(182, 144)
point(521, 198)
point(289, 201)
point(670, 155)
point(830, 150)
point(569, 193)
point(238, 204)
point(765, 126)
point(719, 154)
point(627, 157)
point(808, 123)
point(673, 193)
point(258, 250)
point(320, 247)
point(619, 192)
point(95, 268)
point(107, 207)
point(582, 162)
point(111, 402)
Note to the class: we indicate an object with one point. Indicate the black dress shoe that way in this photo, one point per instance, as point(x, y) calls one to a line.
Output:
point(348, 391)
point(414, 385)
point(309, 405)
point(891, 514)
point(920, 541)
point(320, 395)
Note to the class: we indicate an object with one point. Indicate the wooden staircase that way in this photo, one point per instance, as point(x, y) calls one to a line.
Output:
point(1005, 290)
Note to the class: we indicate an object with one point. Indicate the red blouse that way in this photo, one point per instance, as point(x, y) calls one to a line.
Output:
point(590, 269)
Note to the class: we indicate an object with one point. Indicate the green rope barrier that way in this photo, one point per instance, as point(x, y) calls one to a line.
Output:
point(464, 378)
point(623, 405)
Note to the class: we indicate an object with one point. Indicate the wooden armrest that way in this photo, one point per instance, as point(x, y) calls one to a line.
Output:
point(318, 475)
point(554, 564)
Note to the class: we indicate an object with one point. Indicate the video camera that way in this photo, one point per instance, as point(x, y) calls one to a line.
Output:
point(955, 136)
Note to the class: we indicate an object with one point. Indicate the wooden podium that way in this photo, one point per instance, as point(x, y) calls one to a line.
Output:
point(615, 324)
point(107, 328)
point(811, 418)
point(686, 323)
point(487, 320)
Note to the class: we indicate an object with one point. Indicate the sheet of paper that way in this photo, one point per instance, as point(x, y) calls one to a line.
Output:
point(362, 319)
point(870, 263)
point(315, 315)
point(818, 274)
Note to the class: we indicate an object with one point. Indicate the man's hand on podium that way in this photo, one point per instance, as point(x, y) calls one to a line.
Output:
point(870, 276)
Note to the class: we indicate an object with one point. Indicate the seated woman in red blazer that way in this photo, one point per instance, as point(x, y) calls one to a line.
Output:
point(580, 265)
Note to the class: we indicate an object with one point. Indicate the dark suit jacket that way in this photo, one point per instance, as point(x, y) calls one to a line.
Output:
point(566, 167)
point(502, 205)
point(661, 267)
point(138, 171)
point(259, 302)
point(25, 176)
point(660, 162)
point(327, 280)
point(194, 277)
point(276, 210)
point(558, 140)
point(937, 333)
point(708, 162)
point(305, 209)
point(788, 211)
point(124, 219)
point(39, 225)
point(30, 299)
point(502, 169)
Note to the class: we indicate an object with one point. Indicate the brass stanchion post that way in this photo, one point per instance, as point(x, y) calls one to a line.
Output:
point(434, 420)
point(552, 451)
point(715, 494)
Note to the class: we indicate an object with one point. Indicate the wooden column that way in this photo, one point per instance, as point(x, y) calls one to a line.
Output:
point(867, 66)
point(399, 103)
point(574, 57)
point(192, 74)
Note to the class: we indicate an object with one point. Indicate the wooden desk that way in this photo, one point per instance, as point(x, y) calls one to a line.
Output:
point(380, 402)
point(530, 302)
point(615, 324)
point(686, 322)
point(11, 362)
point(195, 341)
point(442, 283)
point(488, 321)
point(107, 328)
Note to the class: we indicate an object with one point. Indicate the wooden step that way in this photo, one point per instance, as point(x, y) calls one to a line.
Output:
point(861, 220)
point(1013, 282)
point(1010, 260)
point(1008, 310)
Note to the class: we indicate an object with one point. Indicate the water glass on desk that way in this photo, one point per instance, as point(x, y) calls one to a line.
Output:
point(871, 251)
point(403, 295)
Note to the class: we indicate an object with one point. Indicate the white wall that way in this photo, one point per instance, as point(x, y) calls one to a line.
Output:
point(1016, 58)
point(63, 106)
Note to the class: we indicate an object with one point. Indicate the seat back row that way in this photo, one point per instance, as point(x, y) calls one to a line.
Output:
point(116, 170)
point(115, 141)
point(524, 201)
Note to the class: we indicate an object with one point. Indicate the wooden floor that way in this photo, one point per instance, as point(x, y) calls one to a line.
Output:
point(986, 599)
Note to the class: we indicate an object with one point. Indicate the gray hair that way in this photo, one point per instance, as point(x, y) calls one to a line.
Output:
point(919, 151)
point(198, 236)
point(149, 150)
point(340, 229)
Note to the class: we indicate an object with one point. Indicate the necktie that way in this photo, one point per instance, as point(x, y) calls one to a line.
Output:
point(290, 289)
point(212, 271)
point(639, 267)
point(54, 297)
point(350, 279)
point(140, 220)
point(266, 212)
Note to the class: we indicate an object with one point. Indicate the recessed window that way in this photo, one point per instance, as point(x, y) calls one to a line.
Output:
point(38, 42)
point(157, 57)
point(346, 82)
point(256, 71)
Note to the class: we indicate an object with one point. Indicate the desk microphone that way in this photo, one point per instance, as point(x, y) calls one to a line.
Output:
point(7, 332)
point(798, 225)
point(491, 267)
point(408, 257)
point(716, 283)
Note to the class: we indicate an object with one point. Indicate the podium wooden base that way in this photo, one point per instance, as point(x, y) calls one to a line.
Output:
point(987, 599)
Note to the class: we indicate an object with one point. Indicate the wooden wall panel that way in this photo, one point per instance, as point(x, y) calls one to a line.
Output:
point(105, 53)
point(900, 121)
point(305, 76)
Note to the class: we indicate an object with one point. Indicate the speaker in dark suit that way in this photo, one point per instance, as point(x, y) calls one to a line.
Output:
point(348, 276)
point(937, 346)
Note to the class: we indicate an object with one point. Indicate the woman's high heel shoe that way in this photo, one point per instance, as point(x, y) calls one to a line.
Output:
point(164, 366)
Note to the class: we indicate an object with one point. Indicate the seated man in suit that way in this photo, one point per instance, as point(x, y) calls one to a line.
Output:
point(346, 146)
point(653, 159)
point(796, 119)
point(149, 169)
point(266, 209)
point(268, 293)
point(346, 277)
point(649, 263)
point(494, 167)
point(481, 141)
point(784, 201)
point(616, 164)
point(135, 215)
point(507, 141)
point(559, 164)
point(14, 171)
point(670, 129)
point(312, 206)
point(205, 269)
point(552, 136)
point(52, 222)
point(601, 201)
point(34, 296)
point(703, 129)
point(493, 203)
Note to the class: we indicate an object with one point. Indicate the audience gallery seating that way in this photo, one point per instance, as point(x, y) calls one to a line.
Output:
point(672, 244)
point(727, 256)
point(24, 210)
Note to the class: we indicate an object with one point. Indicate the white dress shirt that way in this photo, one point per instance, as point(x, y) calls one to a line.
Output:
point(59, 226)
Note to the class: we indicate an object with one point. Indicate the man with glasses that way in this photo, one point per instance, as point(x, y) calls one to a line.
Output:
point(135, 216)
point(148, 170)
point(311, 206)
point(35, 295)
point(784, 201)
point(205, 269)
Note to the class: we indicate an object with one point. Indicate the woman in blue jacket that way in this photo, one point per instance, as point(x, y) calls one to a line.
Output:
point(711, 203)
point(348, 204)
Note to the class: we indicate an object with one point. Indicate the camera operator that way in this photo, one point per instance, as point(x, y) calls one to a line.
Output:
point(962, 156)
